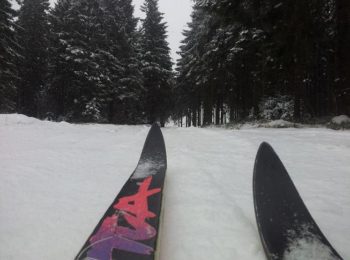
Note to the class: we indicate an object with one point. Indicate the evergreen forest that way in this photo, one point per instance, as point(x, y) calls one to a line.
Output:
point(239, 60)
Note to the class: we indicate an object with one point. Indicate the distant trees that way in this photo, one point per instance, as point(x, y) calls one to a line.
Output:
point(238, 53)
point(85, 80)
point(91, 61)
point(33, 33)
point(156, 64)
point(59, 90)
point(342, 38)
point(127, 90)
point(8, 58)
point(94, 72)
point(85, 61)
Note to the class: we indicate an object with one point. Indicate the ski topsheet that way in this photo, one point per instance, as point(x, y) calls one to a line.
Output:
point(129, 228)
point(287, 230)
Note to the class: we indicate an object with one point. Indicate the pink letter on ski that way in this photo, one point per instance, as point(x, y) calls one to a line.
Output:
point(134, 209)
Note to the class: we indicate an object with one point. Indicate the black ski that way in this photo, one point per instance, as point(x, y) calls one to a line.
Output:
point(287, 230)
point(129, 229)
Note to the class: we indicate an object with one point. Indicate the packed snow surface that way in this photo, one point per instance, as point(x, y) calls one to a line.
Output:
point(58, 179)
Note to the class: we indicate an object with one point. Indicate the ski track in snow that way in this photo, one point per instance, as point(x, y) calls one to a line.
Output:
point(58, 179)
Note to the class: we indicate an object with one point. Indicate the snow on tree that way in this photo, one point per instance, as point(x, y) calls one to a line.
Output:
point(81, 67)
point(156, 64)
point(192, 73)
point(92, 111)
point(123, 105)
point(279, 107)
point(93, 56)
point(242, 51)
point(60, 74)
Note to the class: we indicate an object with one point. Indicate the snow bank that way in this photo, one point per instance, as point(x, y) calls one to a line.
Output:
point(270, 124)
point(342, 119)
point(278, 124)
point(17, 119)
point(339, 122)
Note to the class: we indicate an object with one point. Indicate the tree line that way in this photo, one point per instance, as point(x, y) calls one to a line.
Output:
point(239, 57)
point(92, 61)
point(85, 61)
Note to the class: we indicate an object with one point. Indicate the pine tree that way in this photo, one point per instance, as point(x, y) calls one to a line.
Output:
point(60, 73)
point(156, 64)
point(8, 57)
point(83, 70)
point(33, 38)
point(94, 70)
point(122, 35)
point(250, 50)
point(192, 79)
point(95, 67)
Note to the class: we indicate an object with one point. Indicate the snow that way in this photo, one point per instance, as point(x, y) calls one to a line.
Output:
point(17, 119)
point(280, 123)
point(58, 179)
point(306, 245)
point(305, 249)
point(146, 168)
point(342, 119)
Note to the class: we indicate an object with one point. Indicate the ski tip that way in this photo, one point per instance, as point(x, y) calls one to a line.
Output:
point(265, 151)
point(267, 162)
point(265, 147)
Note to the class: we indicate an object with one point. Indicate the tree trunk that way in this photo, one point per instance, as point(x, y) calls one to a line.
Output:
point(207, 118)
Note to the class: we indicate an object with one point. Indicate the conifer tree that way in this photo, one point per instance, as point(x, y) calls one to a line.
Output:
point(192, 79)
point(8, 57)
point(156, 64)
point(246, 52)
point(122, 36)
point(83, 70)
point(33, 38)
point(60, 73)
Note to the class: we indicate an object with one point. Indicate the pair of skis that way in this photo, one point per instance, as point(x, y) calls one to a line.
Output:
point(129, 230)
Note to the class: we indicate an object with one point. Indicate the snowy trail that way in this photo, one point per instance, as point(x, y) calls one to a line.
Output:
point(210, 207)
point(57, 179)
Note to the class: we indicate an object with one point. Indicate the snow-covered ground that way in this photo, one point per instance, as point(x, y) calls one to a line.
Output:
point(57, 180)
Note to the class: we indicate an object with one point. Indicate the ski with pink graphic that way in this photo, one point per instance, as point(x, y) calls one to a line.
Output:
point(129, 229)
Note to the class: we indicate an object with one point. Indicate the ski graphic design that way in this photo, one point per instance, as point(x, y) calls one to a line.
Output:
point(129, 228)
point(286, 228)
